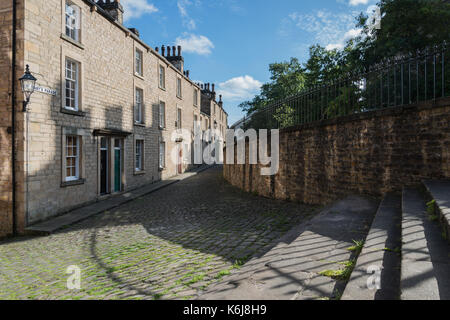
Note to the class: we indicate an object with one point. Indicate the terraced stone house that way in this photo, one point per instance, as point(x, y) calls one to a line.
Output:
point(102, 118)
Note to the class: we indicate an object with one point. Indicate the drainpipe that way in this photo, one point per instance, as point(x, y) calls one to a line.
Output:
point(13, 117)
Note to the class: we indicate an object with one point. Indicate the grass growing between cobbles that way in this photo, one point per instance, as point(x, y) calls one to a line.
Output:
point(172, 244)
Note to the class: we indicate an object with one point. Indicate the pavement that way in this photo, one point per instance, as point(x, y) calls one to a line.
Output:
point(303, 264)
point(172, 243)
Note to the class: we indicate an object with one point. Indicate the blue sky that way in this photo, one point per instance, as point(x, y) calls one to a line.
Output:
point(232, 42)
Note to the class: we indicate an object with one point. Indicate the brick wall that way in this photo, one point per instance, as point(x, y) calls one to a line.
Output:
point(371, 153)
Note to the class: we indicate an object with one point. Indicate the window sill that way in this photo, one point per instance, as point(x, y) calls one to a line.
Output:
point(164, 89)
point(162, 168)
point(137, 75)
point(181, 98)
point(139, 173)
point(66, 184)
point(138, 124)
point(162, 128)
point(70, 40)
point(73, 112)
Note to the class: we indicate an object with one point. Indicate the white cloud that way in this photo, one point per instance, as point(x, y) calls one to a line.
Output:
point(188, 22)
point(137, 8)
point(195, 44)
point(358, 2)
point(239, 88)
point(329, 29)
point(352, 33)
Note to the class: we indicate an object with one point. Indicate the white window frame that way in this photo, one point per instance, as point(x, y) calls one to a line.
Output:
point(196, 97)
point(162, 155)
point(139, 63)
point(162, 77)
point(179, 118)
point(72, 24)
point(72, 79)
point(76, 157)
point(139, 151)
point(179, 88)
point(138, 106)
point(162, 115)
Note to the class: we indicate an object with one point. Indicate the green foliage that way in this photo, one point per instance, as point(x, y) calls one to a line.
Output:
point(406, 25)
point(359, 244)
point(284, 115)
point(341, 274)
point(287, 78)
point(431, 210)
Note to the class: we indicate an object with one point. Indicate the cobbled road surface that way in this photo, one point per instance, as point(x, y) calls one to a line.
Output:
point(171, 244)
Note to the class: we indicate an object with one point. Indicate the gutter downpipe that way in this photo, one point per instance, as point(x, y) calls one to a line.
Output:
point(13, 120)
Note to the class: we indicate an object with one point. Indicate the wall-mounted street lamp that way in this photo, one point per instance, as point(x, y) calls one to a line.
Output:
point(215, 124)
point(27, 82)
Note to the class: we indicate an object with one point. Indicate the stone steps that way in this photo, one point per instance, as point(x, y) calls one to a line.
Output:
point(380, 257)
point(425, 270)
point(407, 248)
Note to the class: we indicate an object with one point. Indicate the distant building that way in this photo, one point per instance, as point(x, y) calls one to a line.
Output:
point(102, 118)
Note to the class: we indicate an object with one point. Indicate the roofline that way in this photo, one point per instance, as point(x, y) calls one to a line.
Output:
point(137, 39)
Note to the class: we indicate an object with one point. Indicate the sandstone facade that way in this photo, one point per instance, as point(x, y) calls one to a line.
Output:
point(104, 121)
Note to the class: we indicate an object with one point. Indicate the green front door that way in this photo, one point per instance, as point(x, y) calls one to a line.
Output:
point(117, 167)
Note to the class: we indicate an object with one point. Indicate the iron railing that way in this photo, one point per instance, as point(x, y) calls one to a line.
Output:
point(402, 80)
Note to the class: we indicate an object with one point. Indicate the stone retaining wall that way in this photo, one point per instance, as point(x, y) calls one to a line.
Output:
point(371, 153)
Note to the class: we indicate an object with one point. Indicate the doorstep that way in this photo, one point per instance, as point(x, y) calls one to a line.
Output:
point(77, 215)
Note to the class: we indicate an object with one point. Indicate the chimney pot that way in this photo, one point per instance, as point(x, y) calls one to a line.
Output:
point(157, 49)
point(179, 51)
point(163, 50)
point(168, 51)
point(174, 51)
point(213, 88)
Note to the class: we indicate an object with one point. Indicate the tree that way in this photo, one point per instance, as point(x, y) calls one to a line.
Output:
point(287, 78)
point(406, 26)
point(323, 65)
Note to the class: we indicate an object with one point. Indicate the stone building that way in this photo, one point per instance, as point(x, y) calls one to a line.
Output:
point(212, 110)
point(105, 114)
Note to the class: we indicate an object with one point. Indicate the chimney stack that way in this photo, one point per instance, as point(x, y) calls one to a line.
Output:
point(175, 57)
point(113, 8)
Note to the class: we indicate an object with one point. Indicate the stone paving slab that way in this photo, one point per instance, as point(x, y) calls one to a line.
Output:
point(291, 270)
point(381, 250)
point(85, 212)
point(425, 254)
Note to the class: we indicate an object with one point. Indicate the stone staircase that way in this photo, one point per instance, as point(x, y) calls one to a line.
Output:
point(407, 253)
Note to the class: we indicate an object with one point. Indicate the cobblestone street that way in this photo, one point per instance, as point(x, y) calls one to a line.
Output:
point(171, 244)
